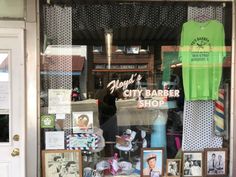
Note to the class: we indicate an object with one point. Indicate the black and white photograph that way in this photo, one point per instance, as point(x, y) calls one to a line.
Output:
point(192, 163)
point(216, 162)
point(173, 167)
point(62, 163)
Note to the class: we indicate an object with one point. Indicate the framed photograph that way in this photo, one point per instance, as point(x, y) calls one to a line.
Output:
point(152, 162)
point(63, 163)
point(82, 122)
point(173, 167)
point(192, 163)
point(132, 50)
point(216, 162)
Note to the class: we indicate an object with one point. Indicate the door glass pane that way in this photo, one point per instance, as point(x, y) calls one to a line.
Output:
point(4, 98)
point(4, 128)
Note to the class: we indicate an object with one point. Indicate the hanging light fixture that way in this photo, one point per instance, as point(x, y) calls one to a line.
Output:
point(108, 41)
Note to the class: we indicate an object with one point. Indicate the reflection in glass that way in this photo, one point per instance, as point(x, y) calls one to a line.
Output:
point(4, 98)
point(4, 128)
point(3, 67)
point(4, 83)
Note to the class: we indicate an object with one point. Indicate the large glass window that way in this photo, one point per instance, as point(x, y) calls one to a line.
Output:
point(163, 101)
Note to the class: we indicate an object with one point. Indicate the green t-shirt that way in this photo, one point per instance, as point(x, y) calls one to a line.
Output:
point(202, 53)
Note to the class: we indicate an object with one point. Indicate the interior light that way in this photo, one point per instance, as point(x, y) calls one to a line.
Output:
point(108, 40)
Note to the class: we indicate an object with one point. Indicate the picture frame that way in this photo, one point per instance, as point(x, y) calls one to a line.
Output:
point(61, 162)
point(193, 163)
point(216, 160)
point(132, 50)
point(173, 167)
point(82, 122)
point(152, 158)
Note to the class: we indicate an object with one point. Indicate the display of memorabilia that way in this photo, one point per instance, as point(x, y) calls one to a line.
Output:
point(154, 112)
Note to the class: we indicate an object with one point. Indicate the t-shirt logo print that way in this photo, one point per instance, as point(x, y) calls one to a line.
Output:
point(200, 48)
point(201, 44)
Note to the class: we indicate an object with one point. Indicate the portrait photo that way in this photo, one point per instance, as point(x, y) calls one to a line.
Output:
point(62, 163)
point(152, 162)
point(216, 162)
point(82, 122)
point(173, 167)
point(192, 164)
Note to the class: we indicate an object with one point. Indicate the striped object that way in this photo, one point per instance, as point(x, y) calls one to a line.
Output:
point(219, 117)
point(82, 141)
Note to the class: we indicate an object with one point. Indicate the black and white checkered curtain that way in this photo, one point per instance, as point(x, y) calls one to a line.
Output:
point(57, 27)
point(96, 17)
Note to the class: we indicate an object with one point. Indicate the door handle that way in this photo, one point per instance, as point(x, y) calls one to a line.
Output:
point(16, 137)
point(15, 152)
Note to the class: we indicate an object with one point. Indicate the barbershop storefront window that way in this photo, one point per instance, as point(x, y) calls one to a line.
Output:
point(158, 110)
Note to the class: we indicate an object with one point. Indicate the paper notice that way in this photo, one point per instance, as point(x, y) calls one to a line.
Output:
point(59, 101)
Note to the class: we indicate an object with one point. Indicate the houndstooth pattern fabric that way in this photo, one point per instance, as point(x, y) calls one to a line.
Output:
point(198, 126)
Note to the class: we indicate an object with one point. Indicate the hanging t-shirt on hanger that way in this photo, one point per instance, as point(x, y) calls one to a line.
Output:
point(202, 53)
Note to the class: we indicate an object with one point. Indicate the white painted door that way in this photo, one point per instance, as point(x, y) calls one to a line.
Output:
point(12, 103)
